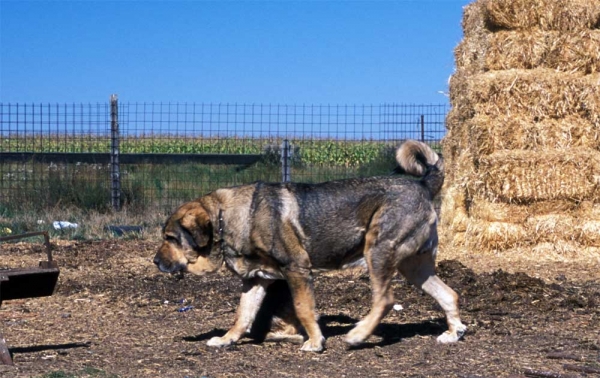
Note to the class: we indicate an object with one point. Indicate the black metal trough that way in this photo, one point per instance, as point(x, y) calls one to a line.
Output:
point(20, 283)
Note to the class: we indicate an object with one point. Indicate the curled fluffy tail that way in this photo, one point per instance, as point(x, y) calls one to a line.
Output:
point(418, 159)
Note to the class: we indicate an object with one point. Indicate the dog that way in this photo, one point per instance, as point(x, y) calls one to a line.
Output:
point(265, 232)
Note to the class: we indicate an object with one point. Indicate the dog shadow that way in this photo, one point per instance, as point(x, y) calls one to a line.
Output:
point(338, 325)
point(205, 336)
point(40, 348)
point(390, 333)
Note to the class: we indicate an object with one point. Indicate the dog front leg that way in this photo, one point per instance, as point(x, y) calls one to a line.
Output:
point(254, 292)
point(304, 304)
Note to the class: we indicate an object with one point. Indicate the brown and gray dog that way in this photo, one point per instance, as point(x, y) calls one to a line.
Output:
point(285, 231)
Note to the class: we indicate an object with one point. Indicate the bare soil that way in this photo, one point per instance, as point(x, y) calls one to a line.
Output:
point(114, 312)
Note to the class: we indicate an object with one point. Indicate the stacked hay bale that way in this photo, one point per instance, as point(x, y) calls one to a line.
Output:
point(523, 144)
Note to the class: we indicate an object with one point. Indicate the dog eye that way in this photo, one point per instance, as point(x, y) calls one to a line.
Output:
point(171, 238)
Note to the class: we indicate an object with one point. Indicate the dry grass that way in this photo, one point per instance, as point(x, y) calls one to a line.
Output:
point(91, 225)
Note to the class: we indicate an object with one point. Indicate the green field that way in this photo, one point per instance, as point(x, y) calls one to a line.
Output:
point(348, 153)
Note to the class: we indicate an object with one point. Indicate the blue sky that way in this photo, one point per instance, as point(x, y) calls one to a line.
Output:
point(279, 52)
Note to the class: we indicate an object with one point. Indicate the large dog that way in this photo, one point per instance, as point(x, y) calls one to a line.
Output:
point(285, 231)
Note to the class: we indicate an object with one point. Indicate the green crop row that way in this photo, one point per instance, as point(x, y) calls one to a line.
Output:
point(308, 152)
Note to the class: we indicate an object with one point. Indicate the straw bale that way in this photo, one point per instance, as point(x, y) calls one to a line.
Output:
point(464, 173)
point(458, 89)
point(541, 230)
point(567, 52)
point(459, 239)
point(474, 18)
point(537, 94)
point(589, 233)
point(455, 150)
point(470, 52)
point(550, 228)
point(555, 207)
point(482, 235)
point(454, 210)
point(491, 134)
point(453, 120)
point(561, 15)
point(574, 52)
point(465, 165)
point(489, 211)
point(480, 208)
point(589, 210)
point(517, 49)
point(524, 176)
point(457, 138)
point(451, 240)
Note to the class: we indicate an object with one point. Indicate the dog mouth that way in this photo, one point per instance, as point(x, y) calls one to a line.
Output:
point(176, 268)
point(178, 274)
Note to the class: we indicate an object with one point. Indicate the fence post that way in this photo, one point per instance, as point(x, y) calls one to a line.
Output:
point(115, 169)
point(285, 161)
point(423, 128)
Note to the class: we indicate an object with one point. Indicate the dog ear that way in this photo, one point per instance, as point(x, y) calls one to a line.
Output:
point(197, 221)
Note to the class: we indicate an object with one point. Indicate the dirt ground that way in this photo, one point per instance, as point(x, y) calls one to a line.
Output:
point(114, 314)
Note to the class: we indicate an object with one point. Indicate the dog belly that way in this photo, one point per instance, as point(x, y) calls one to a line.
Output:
point(345, 254)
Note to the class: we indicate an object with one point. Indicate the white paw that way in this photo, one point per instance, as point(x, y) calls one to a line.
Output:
point(452, 337)
point(353, 339)
point(219, 342)
point(312, 346)
point(355, 336)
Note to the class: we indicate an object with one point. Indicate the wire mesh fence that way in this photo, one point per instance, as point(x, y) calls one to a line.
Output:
point(168, 153)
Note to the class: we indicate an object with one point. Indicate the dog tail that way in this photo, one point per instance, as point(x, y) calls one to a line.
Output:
point(418, 159)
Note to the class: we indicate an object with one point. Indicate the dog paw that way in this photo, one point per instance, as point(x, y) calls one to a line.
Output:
point(219, 342)
point(452, 337)
point(313, 346)
point(355, 336)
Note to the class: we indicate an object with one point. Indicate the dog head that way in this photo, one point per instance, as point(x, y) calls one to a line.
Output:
point(189, 242)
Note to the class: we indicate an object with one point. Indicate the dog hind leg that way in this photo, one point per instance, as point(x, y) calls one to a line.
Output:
point(253, 293)
point(381, 271)
point(420, 271)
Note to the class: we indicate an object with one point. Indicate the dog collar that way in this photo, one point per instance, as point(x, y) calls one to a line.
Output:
point(221, 240)
point(227, 252)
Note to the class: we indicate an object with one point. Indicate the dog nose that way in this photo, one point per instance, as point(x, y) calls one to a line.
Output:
point(156, 260)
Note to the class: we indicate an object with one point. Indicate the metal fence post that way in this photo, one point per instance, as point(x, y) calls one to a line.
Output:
point(285, 161)
point(423, 128)
point(115, 169)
